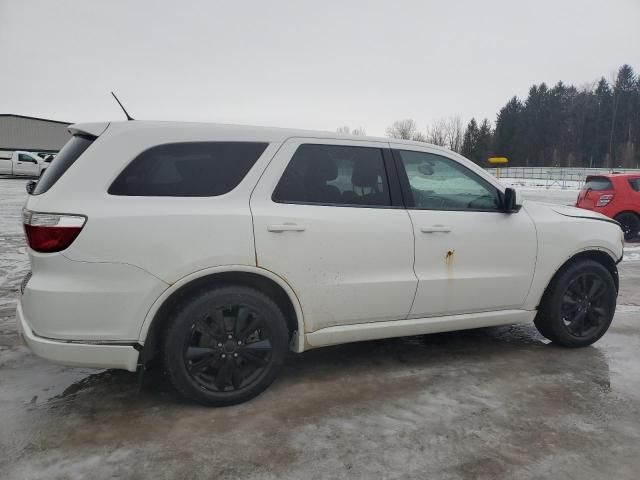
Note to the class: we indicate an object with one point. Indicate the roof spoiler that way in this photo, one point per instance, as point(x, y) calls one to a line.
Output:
point(94, 129)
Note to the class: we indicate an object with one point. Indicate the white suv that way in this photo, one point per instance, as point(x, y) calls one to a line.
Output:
point(220, 248)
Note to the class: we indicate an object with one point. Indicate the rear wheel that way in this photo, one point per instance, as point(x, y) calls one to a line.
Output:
point(578, 306)
point(630, 223)
point(225, 346)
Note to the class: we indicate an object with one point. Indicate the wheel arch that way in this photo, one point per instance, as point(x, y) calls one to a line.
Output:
point(628, 210)
point(261, 279)
point(600, 256)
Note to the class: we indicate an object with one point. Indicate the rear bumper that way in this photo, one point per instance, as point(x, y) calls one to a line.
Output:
point(75, 353)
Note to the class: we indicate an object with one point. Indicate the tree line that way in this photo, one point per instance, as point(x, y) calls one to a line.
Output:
point(593, 126)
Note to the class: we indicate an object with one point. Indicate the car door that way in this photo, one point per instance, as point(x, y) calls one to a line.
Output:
point(328, 221)
point(27, 165)
point(470, 256)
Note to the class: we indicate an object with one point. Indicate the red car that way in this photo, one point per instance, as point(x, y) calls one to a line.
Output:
point(616, 195)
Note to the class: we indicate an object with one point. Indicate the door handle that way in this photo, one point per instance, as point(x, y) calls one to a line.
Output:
point(436, 229)
point(286, 227)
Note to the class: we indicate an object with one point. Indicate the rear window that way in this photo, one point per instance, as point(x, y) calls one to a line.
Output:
point(65, 158)
point(598, 184)
point(635, 184)
point(192, 169)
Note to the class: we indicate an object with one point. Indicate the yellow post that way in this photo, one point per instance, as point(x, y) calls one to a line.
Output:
point(498, 161)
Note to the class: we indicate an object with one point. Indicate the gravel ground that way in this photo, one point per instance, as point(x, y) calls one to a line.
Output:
point(495, 403)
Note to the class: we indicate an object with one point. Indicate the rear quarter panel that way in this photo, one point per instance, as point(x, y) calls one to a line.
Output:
point(169, 237)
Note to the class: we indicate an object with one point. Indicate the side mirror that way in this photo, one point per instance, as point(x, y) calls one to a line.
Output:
point(31, 185)
point(510, 201)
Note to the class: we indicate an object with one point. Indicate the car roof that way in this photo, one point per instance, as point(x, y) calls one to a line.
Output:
point(273, 134)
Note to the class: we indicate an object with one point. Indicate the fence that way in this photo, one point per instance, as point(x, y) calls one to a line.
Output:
point(562, 177)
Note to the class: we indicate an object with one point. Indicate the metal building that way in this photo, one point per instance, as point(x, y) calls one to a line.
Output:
point(32, 134)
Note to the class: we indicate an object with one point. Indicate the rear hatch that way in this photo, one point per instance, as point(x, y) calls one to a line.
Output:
point(596, 193)
point(82, 138)
point(47, 230)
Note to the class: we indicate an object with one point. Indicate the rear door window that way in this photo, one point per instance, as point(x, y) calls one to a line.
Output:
point(335, 175)
point(635, 184)
point(598, 184)
point(189, 169)
point(67, 156)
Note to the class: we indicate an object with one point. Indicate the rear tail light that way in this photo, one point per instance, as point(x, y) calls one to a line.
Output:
point(51, 232)
point(604, 200)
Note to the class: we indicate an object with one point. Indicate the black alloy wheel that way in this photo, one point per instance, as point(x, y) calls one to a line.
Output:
point(584, 305)
point(228, 348)
point(225, 346)
point(578, 305)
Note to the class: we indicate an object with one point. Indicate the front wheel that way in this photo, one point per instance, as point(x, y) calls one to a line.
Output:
point(225, 346)
point(578, 306)
point(630, 224)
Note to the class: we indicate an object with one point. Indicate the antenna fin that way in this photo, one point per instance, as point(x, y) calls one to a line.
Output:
point(129, 117)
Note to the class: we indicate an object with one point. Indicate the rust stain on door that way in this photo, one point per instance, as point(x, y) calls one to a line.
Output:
point(448, 260)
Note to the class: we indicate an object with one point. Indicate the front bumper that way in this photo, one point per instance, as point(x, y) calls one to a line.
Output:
point(77, 354)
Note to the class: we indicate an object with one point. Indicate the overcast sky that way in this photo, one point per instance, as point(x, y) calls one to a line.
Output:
point(307, 64)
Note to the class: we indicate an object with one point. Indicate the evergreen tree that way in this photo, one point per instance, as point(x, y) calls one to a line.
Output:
point(483, 145)
point(621, 134)
point(508, 131)
point(470, 139)
point(566, 126)
point(598, 148)
point(558, 126)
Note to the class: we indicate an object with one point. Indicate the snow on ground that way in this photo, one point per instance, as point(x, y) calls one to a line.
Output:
point(631, 253)
point(549, 184)
point(14, 262)
point(544, 191)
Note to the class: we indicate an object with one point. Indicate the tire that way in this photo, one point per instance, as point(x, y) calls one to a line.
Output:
point(569, 319)
point(630, 223)
point(225, 346)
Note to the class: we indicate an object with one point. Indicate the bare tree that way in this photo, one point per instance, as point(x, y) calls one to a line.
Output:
point(454, 133)
point(436, 133)
point(406, 130)
point(346, 130)
point(447, 132)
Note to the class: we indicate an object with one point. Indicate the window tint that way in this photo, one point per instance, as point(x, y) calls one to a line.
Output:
point(598, 184)
point(67, 156)
point(194, 169)
point(335, 175)
point(439, 183)
point(635, 184)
